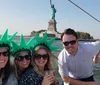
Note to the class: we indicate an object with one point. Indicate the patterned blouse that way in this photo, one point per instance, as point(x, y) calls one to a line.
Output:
point(30, 77)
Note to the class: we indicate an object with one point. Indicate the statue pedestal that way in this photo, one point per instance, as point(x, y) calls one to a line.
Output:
point(52, 26)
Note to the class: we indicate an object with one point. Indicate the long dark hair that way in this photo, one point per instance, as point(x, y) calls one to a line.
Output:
point(5, 72)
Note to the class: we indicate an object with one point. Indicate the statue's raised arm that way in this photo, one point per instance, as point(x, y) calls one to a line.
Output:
point(53, 10)
point(50, 3)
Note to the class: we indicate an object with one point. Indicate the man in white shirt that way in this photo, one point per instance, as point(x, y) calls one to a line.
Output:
point(75, 61)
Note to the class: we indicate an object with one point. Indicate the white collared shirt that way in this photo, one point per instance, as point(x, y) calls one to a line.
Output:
point(80, 65)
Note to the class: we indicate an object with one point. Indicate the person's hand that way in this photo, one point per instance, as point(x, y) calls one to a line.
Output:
point(48, 79)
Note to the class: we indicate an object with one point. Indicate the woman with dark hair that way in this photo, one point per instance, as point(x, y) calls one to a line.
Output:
point(42, 71)
point(5, 47)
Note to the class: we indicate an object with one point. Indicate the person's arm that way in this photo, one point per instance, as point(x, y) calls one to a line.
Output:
point(76, 82)
point(96, 58)
point(92, 47)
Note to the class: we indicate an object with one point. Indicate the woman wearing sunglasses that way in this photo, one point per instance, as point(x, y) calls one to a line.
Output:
point(22, 55)
point(5, 47)
point(42, 73)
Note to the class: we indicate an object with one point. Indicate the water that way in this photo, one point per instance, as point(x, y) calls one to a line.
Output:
point(58, 43)
point(97, 71)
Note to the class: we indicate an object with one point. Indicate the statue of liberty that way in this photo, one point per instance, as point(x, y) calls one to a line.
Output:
point(53, 10)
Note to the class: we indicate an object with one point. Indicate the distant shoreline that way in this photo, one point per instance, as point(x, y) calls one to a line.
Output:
point(90, 40)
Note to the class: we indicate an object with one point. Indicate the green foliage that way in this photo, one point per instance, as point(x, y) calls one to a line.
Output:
point(84, 35)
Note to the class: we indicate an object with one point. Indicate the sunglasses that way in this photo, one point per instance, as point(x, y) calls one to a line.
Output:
point(21, 58)
point(5, 53)
point(39, 56)
point(66, 43)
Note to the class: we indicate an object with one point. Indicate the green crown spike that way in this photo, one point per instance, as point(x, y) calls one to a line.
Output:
point(30, 41)
point(44, 37)
point(44, 42)
point(22, 41)
point(6, 40)
point(12, 37)
point(22, 46)
point(5, 35)
point(51, 41)
point(14, 44)
point(37, 37)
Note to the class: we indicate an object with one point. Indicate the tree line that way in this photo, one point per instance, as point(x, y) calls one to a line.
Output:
point(84, 35)
point(81, 35)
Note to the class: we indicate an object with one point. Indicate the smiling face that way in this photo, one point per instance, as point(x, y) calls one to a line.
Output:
point(41, 58)
point(3, 57)
point(70, 43)
point(23, 60)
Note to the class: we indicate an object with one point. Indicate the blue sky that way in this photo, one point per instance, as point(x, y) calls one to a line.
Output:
point(25, 16)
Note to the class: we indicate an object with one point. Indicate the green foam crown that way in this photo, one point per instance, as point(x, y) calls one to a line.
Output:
point(22, 46)
point(44, 42)
point(6, 40)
